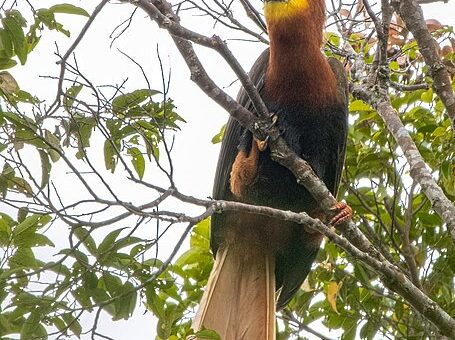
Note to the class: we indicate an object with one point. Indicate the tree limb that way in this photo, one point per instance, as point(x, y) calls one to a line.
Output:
point(380, 101)
point(412, 14)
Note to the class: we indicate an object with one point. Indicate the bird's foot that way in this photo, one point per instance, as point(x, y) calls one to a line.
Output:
point(343, 213)
point(262, 144)
point(274, 118)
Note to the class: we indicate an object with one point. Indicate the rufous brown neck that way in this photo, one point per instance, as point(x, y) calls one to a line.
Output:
point(298, 72)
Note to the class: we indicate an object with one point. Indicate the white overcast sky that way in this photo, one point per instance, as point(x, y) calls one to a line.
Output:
point(194, 155)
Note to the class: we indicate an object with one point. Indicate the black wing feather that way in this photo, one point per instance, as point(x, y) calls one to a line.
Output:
point(343, 94)
point(229, 147)
point(234, 130)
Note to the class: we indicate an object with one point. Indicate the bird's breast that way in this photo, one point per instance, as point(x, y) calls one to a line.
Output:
point(310, 132)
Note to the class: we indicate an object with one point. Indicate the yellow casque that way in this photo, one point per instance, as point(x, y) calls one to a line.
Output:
point(276, 10)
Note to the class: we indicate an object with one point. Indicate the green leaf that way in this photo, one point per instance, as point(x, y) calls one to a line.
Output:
point(69, 97)
point(100, 296)
point(7, 63)
point(200, 236)
point(427, 96)
point(7, 219)
point(22, 186)
point(40, 240)
point(82, 297)
point(20, 121)
point(125, 305)
point(60, 324)
point(73, 324)
point(25, 97)
point(45, 168)
point(350, 329)
point(207, 334)
point(58, 268)
point(83, 130)
point(112, 283)
point(138, 161)
point(68, 9)
point(33, 222)
point(5, 232)
point(333, 38)
point(23, 257)
point(154, 302)
point(369, 329)
point(87, 240)
point(110, 155)
point(6, 45)
point(191, 256)
point(127, 241)
point(359, 105)
point(54, 147)
point(14, 29)
point(128, 100)
point(439, 131)
point(17, 15)
point(77, 254)
point(394, 66)
point(108, 241)
point(153, 262)
point(219, 136)
point(31, 239)
point(28, 330)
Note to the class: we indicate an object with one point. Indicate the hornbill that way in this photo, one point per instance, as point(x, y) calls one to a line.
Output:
point(261, 262)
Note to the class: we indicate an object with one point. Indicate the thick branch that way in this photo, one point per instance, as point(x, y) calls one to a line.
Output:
point(412, 14)
point(431, 1)
point(380, 101)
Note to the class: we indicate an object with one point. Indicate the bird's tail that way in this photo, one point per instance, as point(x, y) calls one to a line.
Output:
point(239, 300)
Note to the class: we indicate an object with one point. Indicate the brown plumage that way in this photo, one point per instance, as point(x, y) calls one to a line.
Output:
point(256, 256)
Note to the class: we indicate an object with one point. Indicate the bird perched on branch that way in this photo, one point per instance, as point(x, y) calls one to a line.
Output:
point(261, 262)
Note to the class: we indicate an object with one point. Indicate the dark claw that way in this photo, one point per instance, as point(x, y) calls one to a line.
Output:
point(274, 118)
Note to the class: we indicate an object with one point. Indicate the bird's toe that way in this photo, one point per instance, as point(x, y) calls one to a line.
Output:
point(343, 213)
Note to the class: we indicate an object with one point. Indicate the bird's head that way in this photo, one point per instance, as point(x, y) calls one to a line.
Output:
point(292, 18)
point(276, 10)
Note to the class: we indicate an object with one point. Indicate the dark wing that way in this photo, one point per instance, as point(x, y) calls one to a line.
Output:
point(293, 267)
point(229, 147)
point(343, 96)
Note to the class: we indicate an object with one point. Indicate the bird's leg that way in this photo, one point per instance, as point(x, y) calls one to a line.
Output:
point(343, 213)
point(244, 169)
point(262, 144)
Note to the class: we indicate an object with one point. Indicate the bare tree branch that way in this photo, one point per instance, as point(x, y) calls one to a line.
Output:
point(54, 106)
point(412, 15)
point(423, 2)
point(380, 101)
